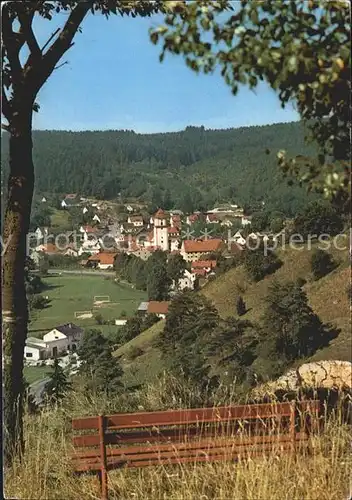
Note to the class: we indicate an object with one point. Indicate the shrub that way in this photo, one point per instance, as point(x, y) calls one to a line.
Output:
point(99, 319)
point(301, 282)
point(241, 306)
point(321, 263)
point(134, 352)
point(261, 262)
point(38, 302)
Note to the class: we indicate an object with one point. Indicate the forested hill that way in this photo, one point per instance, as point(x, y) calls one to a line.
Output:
point(192, 169)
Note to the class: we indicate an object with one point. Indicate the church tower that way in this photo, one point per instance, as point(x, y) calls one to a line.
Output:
point(161, 234)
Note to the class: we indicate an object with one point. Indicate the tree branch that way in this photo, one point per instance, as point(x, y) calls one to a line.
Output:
point(12, 46)
point(5, 105)
point(62, 64)
point(50, 38)
point(26, 18)
point(43, 69)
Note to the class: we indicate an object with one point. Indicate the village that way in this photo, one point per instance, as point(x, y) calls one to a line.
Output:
point(136, 232)
point(199, 238)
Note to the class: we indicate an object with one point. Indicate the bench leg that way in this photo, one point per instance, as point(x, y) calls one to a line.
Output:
point(103, 479)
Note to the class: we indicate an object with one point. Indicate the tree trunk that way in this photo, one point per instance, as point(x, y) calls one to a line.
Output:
point(14, 300)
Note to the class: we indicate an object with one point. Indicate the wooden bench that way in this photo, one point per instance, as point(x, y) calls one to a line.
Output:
point(103, 443)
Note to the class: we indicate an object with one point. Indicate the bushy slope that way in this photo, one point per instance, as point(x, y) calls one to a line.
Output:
point(327, 297)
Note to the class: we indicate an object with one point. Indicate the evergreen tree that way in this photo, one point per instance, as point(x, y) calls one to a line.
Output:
point(318, 218)
point(241, 306)
point(58, 385)
point(100, 369)
point(291, 329)
point(158, 281)
point(132, 328)
point(176, 266)
point(187, 204)
point(321, 263)
point(190, 318)
point(167, 203)
point(233, 347)
point(260, 263)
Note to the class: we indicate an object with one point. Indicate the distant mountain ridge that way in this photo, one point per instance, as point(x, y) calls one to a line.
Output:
point(208, 166)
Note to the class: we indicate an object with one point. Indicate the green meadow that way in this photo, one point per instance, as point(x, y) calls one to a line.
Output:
point(72, 293)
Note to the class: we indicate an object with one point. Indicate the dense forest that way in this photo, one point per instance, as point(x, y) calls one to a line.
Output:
point(191, 169)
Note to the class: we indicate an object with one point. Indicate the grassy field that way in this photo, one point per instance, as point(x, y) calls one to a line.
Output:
point(45, 471)
point(34, 373)
point(70, 293)
point(60, 219)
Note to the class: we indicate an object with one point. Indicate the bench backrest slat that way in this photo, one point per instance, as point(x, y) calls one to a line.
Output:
point(150, 427)
point(153, 435)
point(179, 417)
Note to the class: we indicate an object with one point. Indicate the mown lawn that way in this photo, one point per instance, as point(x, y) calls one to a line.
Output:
point(34, 373)
point(70, 293)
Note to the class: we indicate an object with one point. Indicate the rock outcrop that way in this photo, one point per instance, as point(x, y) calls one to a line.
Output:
point(335, 375)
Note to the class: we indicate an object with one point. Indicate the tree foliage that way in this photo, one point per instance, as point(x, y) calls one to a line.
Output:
point(100, 369)
point(158, 280)
point(321, 263)
point(318, 218)
point(58, 384)
point(190, 317)
point(136, 325)
point(261, 262)
point(197, 168)
point(291, 329)
point(176, 266)
point(241, 308)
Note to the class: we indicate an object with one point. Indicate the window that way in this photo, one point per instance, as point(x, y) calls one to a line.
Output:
point(29, 355)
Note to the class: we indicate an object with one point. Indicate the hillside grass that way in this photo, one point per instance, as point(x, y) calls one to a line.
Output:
point(60, 220)
point(327, 297)
point(46, 472)
point(70, 293)
point(150, 361)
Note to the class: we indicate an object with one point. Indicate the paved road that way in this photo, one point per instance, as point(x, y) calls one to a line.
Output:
point(37, 388)
point(82, 272)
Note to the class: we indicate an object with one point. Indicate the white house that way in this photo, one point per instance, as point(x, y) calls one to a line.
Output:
point(91, 246)
point(246, 221)
point(136, 220)
point(72, 252)
point(63, 204)
point(54, 343)
point(120, 322)
point(39, 233)
point(160, 308)
point(241, 241)
point(96, 218)
point(85, 210)
point(102, 260)
point(227, 223)
point(35, 349)
point(187, 281)
point(63, 338)
point(43, 199)
point(129, 208)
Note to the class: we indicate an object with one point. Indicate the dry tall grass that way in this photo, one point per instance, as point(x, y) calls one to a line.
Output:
point(46, 473)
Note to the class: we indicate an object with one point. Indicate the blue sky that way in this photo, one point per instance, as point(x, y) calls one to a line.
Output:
point(114, 80)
